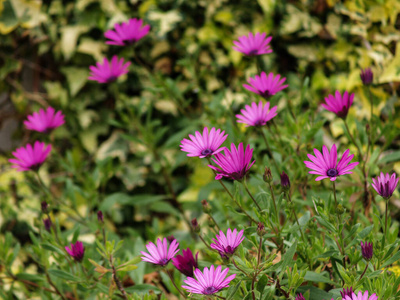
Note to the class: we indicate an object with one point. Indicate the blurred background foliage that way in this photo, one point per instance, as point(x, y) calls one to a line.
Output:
point(119, 149)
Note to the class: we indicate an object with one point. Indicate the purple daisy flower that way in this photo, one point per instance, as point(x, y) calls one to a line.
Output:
point(367, 250)
point(234, 164)
point(204, 145)
point(326, 164)
point(127, 33)
point(44, 120)
point(256, 115)
point(186, 263)
point(108, 71)
point(266, 86)
point(160, 254)
point(346, 292)
point(30, 158)
point(339, 104)
point(77, 251)
point(209, 282)
point(366, 76)
point(252, 45)
point(385, 185)
point(226, 245)
point(360, 296)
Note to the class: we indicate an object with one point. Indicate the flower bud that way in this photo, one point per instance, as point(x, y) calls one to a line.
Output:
point(267, 175)
point(195, 225)
point(44, 206)
point(100, 216)
point(285, 182)
point(206, 206)
point(300, 297)
point(47, 224)
point(367, 250)
point(340, 209)
point(170, 238)
point(367, 76)
point(367, 128)
point(260, 229)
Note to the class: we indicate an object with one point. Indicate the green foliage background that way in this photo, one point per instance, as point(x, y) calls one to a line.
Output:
point(120, 144)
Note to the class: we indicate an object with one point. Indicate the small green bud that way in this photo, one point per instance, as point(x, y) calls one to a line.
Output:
point(195, 225)
point(211, 222)
point(340, 209)
point(206, 206)
point(267, 175)
point(260, 229)
point(285, 182)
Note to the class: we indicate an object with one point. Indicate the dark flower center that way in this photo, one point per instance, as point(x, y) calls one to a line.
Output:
point(229, 250)
point(35, 167)
point(259, 123)
point(206, 152)
point(332, 172)
point(112, 78)
point(209, 290)
point(266, 94)
point(253, 52)
point(129, 42)
point(343, 113)
point(163, 261)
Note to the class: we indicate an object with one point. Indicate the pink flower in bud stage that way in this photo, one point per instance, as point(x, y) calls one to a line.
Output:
point(44, 120)
point(127, 33)
point(186, 263)
point(339, 104)
point(160, 254)
point(235, 164)
point(208, 282)
point(366, 76)
point(252, 45)
point(266, 86)
point(108, 71)
point(77, 251)
point(326, 164)
point(256, 115)
point(385, 184)
point(30, 158)
point(204, 145)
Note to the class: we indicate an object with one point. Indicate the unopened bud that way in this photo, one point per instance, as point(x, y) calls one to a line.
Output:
point(267, 175)
point(366, 76)
point(285, 182)
point(47, 224)
point(206, 206)
point(367, 250)
point(260, 229)
point(44, 206)
point(195, 226)
point(367, 128)
point(211, 222)
point(170, 238)
point(100, 216)
point(340, 209)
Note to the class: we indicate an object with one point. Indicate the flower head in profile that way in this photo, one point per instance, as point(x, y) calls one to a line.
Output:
point(47, 224)
point(186, 263)
point(252, 45)
point(326, 164)
point(209, 281)
point(385, 184)
point(361, 296)
point(30, 158)
point(44, 120)
point(346, 292)
point(127, 33)
point(300, 297)
point(160, 254)
point(256, 115)
point(339, 104)
point(108, 71)
point(204, 145)
point(285, 181)
point(227, 244)
point(77, 251)
point(234, 164)
point(266, 86)
point(366, 76)
point(367, 250)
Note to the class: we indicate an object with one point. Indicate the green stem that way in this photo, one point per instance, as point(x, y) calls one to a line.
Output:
point(173, 282)
point(385, 232)
point(251, 196)
point(237, 267)
point(269, 150)
point(352, 139)
point(339, 226)
point(366, 267)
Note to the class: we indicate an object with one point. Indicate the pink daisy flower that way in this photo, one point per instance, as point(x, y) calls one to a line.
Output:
point(44, 120)
point(252, 45)
point(127, 33)
point(204, 145)
point(30, 158)
point(339, 104)
point(266, 86)
point(234, 164)
point(385, 185)
point(108, 71)
point(256, 115)
point(227, 244)
point(160, 254)
point(360, 296)
point(77, 251)
point(326, 164)
point(209, 282)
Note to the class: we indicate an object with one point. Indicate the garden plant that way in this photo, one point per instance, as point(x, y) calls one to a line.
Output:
point(167, 149)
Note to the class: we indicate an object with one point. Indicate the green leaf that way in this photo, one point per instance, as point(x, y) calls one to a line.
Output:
point(317, 277)
point(143, 289)
point(287, 258)
point(51, 248)
point(30, 277)
point(391, 260)
point(232, 290)
point(63, 275)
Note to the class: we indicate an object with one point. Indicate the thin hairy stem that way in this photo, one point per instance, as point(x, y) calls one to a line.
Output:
point(173, 282)
point(251, 196)
point(269, 150)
